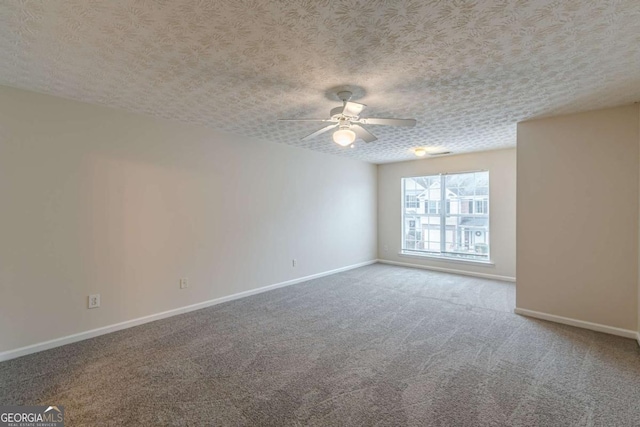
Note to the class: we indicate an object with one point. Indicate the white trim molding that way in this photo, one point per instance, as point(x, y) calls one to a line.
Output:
point(409, 254)
point(578, 323)
point(638, 338)
point(450, 270)
point(57, 342)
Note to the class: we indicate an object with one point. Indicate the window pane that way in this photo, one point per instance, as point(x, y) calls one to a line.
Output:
point(453, 221)
point(411, 192)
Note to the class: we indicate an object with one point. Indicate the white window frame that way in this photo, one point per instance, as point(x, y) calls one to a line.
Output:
point(443, 213)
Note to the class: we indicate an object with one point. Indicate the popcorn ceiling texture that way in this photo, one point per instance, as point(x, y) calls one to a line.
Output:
point(468, 71)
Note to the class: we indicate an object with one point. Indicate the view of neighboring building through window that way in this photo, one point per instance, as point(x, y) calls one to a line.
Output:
point(411, 201)
point(461, 229)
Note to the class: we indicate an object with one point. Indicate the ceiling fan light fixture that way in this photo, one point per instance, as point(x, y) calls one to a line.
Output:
point(348, 122)
point(344, 137)
point(420, 152)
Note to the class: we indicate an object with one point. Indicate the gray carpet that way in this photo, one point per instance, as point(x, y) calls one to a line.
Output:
point(379, 345)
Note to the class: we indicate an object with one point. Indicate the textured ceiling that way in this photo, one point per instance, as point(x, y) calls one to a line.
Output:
point(468, 71)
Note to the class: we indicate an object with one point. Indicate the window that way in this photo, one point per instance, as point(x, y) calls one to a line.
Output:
point(411, 201)
point(461, 229)
point(433, 206)
point(482, 206)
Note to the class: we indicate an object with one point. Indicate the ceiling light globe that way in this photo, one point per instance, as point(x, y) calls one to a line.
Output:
point(344, 137)
point(420, 152)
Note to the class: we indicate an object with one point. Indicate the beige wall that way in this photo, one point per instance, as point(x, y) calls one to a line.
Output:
point(502, 175)
point(577, 216)
point(96, 200)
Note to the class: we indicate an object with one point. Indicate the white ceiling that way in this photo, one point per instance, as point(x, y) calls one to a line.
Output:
point(468, 71)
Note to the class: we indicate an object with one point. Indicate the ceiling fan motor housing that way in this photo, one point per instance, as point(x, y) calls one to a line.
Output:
point(336, 113)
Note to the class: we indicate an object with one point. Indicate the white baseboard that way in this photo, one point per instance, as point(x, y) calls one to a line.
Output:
point(579, 323)
point(450, 270)
point(638, 338)
point(57, 342)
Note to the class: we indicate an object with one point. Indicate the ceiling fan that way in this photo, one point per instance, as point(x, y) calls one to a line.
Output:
point(347, 119)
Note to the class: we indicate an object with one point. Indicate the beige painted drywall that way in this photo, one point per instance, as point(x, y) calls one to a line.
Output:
point(501, 165)
point(577, 216)
point(96, 200)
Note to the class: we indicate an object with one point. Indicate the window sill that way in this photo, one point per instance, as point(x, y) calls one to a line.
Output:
point(447, 259)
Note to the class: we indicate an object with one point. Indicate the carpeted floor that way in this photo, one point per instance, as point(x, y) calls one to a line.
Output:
point(378, 345)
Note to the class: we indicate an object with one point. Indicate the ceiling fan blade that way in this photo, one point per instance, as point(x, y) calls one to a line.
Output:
point(318, 132)
point(390, 122)
point(352, 109)
point(362, 133)
point(305, 120)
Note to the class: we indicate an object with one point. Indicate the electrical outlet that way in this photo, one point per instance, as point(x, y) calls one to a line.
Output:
point(94, 301)
point(184, 283)
point(293, 263)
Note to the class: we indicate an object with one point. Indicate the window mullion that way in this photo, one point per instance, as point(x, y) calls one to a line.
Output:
point(443, 220)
